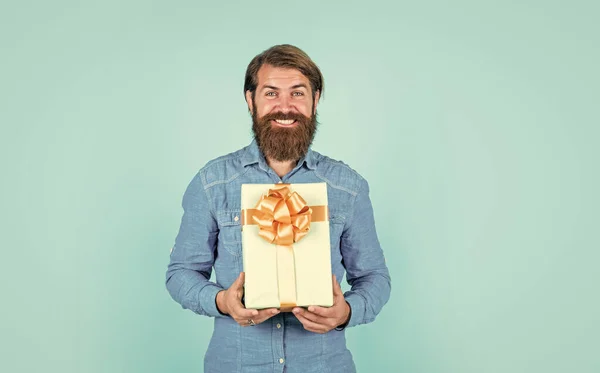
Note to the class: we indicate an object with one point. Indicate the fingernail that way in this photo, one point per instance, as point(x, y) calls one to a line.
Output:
point(275, 312)
point(295, 310)
point(311, 308)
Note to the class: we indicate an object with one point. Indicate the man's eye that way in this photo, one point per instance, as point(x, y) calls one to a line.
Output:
point(298, 93)
point(271, 93)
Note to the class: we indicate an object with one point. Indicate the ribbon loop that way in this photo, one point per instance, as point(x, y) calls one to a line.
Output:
point(284, 217)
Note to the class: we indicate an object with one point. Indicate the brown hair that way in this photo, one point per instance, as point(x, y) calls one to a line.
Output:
point(286, 56)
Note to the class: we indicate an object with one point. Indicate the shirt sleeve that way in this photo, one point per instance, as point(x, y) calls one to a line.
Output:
point(366, 270)
point(192, 257)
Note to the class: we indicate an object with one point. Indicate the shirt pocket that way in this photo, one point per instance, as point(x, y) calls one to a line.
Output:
point(230, 231)
point(336, 227)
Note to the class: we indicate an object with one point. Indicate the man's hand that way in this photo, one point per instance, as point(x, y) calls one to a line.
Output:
point(323, 319)
point(229, 302)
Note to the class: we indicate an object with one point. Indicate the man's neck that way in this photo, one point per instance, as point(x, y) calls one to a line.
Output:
point(281, 168)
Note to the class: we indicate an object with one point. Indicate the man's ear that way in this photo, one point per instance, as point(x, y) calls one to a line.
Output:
point(249, 101)
point(317, 95)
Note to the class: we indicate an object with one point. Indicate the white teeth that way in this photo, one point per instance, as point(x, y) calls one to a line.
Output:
point(289, 121)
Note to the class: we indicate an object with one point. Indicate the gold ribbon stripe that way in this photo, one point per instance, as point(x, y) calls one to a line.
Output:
point(319, 213)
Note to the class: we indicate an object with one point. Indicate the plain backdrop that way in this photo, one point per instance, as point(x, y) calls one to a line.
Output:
point(475, 123)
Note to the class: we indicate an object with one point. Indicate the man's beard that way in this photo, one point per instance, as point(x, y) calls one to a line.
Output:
point(280, 143)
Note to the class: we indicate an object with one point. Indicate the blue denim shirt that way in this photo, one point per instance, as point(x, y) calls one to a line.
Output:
point(210, 237)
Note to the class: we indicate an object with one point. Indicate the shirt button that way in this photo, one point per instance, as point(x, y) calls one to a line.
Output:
point(236, 218)
point(281, 361)
point(278, 325)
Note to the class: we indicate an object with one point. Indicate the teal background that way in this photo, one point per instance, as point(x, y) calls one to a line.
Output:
point(475, 123)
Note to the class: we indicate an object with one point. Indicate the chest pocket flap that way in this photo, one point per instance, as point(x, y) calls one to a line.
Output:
point(230, 230)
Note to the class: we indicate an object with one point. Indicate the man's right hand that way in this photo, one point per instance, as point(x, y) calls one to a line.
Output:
point(229, 302)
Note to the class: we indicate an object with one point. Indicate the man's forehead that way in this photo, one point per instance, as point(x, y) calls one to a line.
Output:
point(270, 75)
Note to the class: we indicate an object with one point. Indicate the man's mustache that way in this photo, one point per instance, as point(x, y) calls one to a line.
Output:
point(284, 116)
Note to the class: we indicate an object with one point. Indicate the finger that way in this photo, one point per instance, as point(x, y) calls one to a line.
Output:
point(322, 311)
point(238, 311)
point(264, 315)
point(243, 322)
point(239, 281)
point(246, 322)
point(311, 325)
point(310, 316)
point(238, 285)
point(337, 290)
point(260, 317)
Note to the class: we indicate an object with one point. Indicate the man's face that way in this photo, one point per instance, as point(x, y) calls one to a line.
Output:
point(283, 113)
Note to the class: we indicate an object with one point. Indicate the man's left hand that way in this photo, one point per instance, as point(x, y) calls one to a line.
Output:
point(323, 319)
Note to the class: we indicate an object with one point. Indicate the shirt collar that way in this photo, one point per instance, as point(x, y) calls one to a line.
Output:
point(254, 155)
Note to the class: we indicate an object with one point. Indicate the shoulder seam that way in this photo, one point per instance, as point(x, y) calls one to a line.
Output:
point(355, 197)
point(339, 163)
point(218, 160)
point(208, 186)
point(334, 162)
point(204, 189)
point(224, 158)
point(334, 185)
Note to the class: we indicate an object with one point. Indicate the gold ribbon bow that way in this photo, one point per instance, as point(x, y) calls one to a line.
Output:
point(284, 216)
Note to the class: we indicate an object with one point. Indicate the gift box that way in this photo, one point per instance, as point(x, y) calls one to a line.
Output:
point(285, 245)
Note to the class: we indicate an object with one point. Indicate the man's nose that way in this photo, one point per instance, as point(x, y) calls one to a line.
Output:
point(284, 104)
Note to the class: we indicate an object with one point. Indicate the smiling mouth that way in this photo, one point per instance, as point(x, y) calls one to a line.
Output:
point(285, 123)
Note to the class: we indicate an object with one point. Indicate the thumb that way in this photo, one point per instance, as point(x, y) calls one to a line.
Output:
point(337, 290)
point(239, 282)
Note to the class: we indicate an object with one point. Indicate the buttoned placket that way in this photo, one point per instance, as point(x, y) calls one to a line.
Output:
point(277, 322)
point(278, 333)
point(269, 171)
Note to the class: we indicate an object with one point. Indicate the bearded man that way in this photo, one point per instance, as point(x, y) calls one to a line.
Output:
point(282, 89)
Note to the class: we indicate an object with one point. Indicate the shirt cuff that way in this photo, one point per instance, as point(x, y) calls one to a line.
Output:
point(208, 300)
point(357, 308)
point(344, 325)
